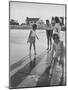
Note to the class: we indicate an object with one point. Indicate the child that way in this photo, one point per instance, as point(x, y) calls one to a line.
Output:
point(57, 54)
point(32, 38)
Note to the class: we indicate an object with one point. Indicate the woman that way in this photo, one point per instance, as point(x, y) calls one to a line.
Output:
point(57, 27)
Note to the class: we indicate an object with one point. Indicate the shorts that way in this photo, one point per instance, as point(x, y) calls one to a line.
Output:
point(49, 33)
point(32, 40)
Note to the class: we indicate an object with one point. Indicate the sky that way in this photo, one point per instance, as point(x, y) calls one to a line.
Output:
point(19, 11)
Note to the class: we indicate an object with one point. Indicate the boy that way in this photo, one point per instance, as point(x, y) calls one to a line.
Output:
point(32, 39)
point(57, 54)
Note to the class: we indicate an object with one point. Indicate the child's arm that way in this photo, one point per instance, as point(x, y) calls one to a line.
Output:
point(53, 49)
point(37, 37)
point(29, 36)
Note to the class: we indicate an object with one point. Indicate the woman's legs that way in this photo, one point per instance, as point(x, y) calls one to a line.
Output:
point(51, 34)
point(48, 38)
point(48, 42)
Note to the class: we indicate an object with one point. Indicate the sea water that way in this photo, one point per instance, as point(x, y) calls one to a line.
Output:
point(19, 47)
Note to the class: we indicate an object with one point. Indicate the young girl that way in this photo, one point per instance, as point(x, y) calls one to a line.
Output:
point(57, 54)
point(32, 39)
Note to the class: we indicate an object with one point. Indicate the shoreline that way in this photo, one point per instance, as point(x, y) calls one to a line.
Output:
point(28, 27)
point(24, 27)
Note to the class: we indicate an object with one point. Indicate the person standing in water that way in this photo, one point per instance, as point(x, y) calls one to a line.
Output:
point(49, 32)
point(32, 39)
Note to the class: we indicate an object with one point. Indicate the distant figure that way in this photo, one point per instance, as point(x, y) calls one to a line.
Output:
point(57, 53)
point(49, 32)
point(57, 27)
point(53, 21)
point(32, 39)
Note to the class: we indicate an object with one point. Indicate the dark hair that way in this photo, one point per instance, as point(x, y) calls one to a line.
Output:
point(47, 20)
point(57, 20)
point(55, 35)
point(34, 26)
